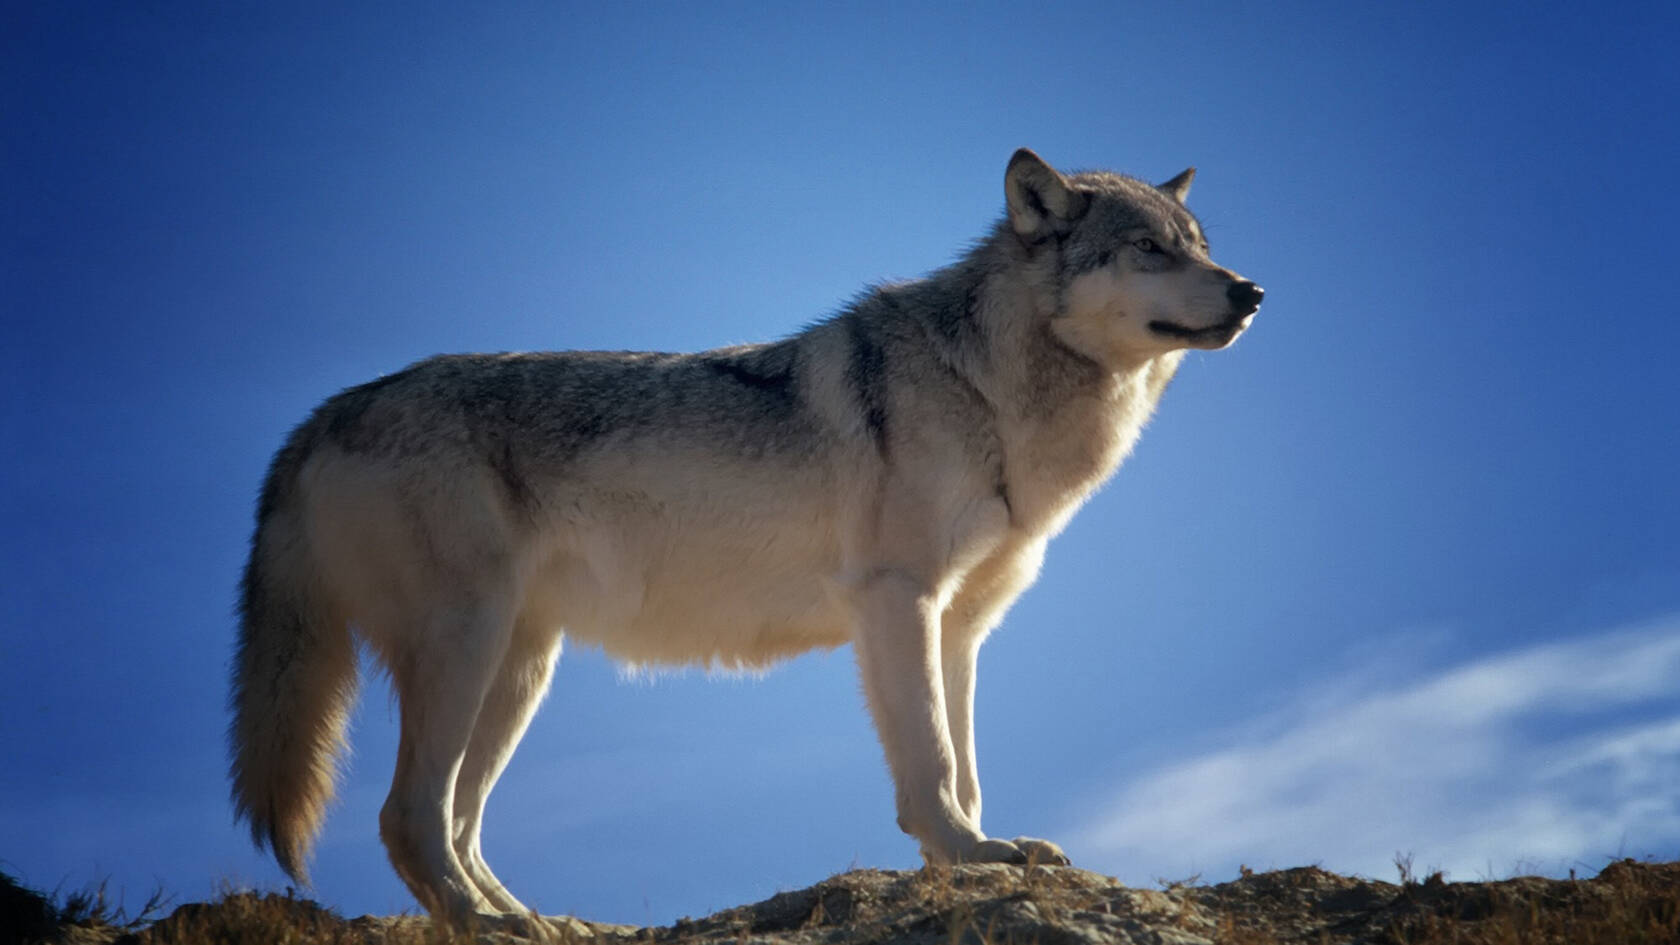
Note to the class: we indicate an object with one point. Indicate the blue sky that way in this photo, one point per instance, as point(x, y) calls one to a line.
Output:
point(1398, 572)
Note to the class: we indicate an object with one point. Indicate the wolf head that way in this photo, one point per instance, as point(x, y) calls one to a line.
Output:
point(1131, 260)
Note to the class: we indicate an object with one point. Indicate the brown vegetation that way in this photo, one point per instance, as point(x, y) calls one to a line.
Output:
point(1628, 903)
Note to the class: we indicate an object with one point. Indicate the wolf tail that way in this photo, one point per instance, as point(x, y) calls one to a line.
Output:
point(294, 677)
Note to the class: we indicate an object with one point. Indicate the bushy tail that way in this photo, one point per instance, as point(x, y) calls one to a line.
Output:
point(294, 679)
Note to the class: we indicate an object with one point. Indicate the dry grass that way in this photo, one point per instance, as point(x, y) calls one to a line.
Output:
point(26, 915)
point(1628, 903)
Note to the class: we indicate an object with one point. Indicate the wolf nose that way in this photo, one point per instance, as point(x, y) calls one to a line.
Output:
point(1245, 296)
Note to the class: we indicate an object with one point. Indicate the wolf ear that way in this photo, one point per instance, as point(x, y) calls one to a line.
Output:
point(1041, 202)
point(1179, 187)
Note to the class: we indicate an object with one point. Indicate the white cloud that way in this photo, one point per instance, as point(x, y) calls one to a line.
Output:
point(1540, 759)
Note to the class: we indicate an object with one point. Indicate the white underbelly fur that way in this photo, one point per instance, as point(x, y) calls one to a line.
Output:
point(721, 594)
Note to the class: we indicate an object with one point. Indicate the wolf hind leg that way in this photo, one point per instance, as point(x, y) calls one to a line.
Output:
point(442, 681)
point(517, 690)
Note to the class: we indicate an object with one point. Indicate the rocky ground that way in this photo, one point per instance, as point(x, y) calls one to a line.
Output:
point(1628, 903)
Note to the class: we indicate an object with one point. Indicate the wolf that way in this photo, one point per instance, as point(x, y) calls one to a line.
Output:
point(888, 477)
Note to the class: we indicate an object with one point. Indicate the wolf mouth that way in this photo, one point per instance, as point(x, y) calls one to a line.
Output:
point(1175, 330)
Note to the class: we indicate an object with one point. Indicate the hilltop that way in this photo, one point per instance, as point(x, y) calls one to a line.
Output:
point(1627, 903)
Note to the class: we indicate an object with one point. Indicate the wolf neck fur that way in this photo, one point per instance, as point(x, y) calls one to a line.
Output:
point(1076, 418)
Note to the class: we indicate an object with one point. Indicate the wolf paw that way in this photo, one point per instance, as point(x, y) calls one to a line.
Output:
point(1022, 851)
point(1041, 852)
point(994, 851)
point(516, 924)
point(529, 926)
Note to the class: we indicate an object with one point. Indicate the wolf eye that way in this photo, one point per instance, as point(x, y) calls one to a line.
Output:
point(1146, 245)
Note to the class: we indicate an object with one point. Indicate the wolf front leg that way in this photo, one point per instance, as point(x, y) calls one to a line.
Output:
point(898, 651)
point(960, 655)
point(986, 593)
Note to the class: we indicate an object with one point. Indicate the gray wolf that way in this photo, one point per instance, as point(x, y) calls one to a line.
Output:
point(886, 478)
